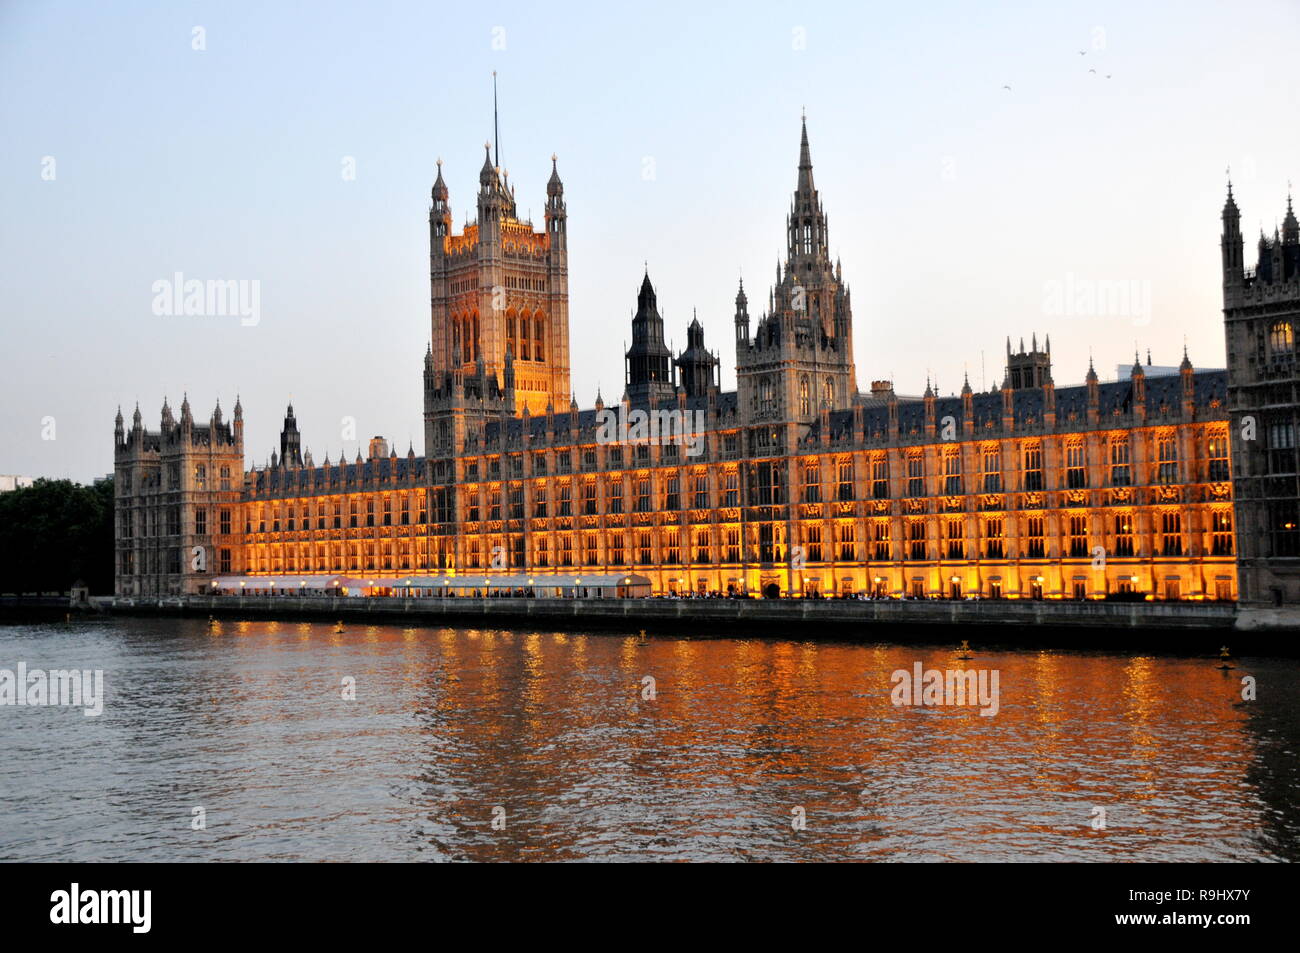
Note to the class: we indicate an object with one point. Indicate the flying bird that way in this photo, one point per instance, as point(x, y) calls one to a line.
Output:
point(1093, 72)
point(1083, 52)
point(1008, 88)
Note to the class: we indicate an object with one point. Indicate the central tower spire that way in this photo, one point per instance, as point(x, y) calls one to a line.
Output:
point(808, 237)
point(496, 129)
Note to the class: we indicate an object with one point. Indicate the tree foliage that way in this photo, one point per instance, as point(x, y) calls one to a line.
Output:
point(55, 532)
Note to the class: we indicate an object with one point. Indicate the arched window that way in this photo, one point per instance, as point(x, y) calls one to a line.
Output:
point(539, 338)
point(804, 408)
point(829, 393)
point(1281, 338)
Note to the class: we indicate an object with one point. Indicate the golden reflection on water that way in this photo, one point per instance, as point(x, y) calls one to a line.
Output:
point(556, 728)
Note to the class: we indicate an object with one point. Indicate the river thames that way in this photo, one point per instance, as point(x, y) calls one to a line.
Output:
point(242, 743)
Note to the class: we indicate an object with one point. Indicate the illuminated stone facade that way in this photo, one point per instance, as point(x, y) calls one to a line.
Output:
point(796, 483)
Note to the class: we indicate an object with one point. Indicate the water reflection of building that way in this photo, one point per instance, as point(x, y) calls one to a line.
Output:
point(802, 483)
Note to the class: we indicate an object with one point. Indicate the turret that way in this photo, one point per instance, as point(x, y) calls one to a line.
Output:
point(440, 212)
point(742, 315)
point(556, 216)
point(1139, 378)
point(290, 441)
point(1232, 245)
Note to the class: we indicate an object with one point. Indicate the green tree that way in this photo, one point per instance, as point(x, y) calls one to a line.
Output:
point(55, 532)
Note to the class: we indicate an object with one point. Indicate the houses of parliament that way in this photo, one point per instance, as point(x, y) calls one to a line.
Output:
point(1169, 483)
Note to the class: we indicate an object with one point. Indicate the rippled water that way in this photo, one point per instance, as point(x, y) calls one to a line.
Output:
point(249, 723)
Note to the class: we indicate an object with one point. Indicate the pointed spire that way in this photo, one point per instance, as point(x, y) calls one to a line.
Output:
point(496, 128)
point(1092, 372)
point(805, 186)
point(554, 187)
point(440, 193)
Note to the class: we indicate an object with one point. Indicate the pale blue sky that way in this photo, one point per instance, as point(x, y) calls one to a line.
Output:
point(952, 201)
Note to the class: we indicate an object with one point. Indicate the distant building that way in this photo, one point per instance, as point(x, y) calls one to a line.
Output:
point(796, 482)
point(9, 482)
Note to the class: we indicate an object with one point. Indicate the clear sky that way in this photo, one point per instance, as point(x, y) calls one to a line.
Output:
point(960, 209)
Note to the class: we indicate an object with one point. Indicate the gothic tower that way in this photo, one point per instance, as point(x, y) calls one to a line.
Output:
point(800, 357)
point(290, 441)
point(648, 362)
point(501, 288)
point(1261, 315)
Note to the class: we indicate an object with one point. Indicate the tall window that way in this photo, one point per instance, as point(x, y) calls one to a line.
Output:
point(1216, 450)
point(1281, 447)
point(880, 478)
point(643, 494)
point(1120, 474)
point(1034, 537)
point(952, 471)
point(916, 539)
point(589, 497)
point(993, 546)
point(701, 491)
point(880, 539)
point(1167, 459)
point(615, 495)
point(848, 542)
point(701, 545)
point(733, 545)
point(956, 540)
point(813, 539)
point(1281, 339)
point(731, 493)
point(1078, 536)
point(673, 492)
point(1221, 533)
point(1033, 467)
point(992, 460)
point(812, 488)
point(844, 475)
point(673, 547)
point(1076, 475)
point(805, 400)
point(915, 476)
point(1123, 534)
point(1171, 533)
